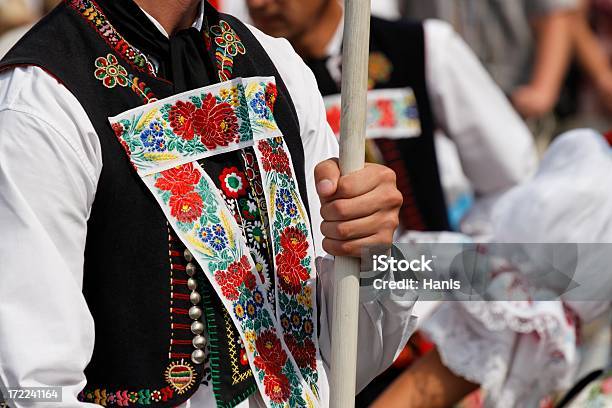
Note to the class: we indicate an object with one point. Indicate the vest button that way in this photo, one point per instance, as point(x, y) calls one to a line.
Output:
point(192, 284)
point(198, 356)
point(199, 342)
point(187, 255)
point(195, 312)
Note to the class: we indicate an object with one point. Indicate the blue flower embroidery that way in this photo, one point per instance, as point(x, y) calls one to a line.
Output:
point(239, 311)
point(280, 205)
point(258, 297)
point(258, 104)
point(291, 210)
point(153, 137)
point(156, 128)
point(251, 308)
point(214, 236)
point(285, 196)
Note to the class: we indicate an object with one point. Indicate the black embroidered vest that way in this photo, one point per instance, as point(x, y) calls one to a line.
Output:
point(397, 60)
point(135, 280)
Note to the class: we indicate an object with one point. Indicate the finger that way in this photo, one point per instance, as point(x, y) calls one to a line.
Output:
point(360, 228)
point(354, 248)
point(382, 198)
point(327, 174)
point(363, 181)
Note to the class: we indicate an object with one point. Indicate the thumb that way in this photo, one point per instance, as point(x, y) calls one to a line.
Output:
point(327, 174)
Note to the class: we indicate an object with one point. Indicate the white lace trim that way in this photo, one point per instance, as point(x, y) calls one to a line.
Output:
point(489, 343)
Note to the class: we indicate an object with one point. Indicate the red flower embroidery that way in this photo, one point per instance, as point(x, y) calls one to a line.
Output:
point(276, 387)
point(288, 262)
point(272, 357)
point(118, 129)
point(233, 182)
point(179, 180)
point(305, 355)
point(333, 118)
point(127, 149)
point(216, 124)
point(244, 359)
point(167, 393)
point(290, 272)
point(294, 240)
point(181, 119)
point(274, 158)
point(387, 116)
point(237, 274)
point(271, 95)
point(186, 207)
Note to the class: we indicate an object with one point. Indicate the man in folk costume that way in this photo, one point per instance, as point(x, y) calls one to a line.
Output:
point(423, 79)
point(163, 187)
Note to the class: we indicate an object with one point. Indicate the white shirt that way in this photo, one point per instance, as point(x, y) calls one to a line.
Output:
point(50, 164)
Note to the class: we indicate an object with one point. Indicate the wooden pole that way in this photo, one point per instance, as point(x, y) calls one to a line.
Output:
point(352, 156)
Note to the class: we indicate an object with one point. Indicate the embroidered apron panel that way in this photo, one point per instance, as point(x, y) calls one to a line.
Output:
point(392, 114)
point(164, 141)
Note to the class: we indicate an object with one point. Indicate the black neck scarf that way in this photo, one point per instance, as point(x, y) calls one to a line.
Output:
point(183, 58)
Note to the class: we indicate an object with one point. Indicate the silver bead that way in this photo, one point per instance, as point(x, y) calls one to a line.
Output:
point(197, 327)
point(190, 269)
point(199, 342)
point(187, 255)
point(195, 312)
point(195, 297)
point(198, 356)
point(192, 284)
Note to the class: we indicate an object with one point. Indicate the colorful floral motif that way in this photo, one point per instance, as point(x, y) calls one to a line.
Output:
point(228, 45)
point(274, 158)
point(293, 256)
point(216, 119)
point(95, 17)
point(110, 72)
point(181, 119)
point(392, 113)
point(126, 398)
point(232, 271)
point(271, 95)
point(108, 69)
point(216, 123)
point(211, 237)
point(233, 182)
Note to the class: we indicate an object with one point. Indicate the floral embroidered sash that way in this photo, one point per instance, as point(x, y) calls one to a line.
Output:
point(164, 141)
point(392, 114)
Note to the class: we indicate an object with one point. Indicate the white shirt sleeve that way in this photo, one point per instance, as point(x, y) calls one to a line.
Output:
point(385, 322)
point(495, 146)
point(48, 173)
